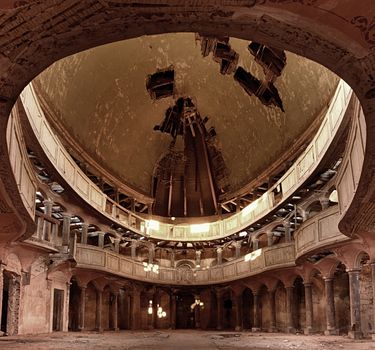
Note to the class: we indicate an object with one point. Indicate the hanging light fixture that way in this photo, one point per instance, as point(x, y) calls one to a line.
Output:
point(148, 267)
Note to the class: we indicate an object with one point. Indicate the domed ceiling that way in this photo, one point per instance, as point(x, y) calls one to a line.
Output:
point(99, 98)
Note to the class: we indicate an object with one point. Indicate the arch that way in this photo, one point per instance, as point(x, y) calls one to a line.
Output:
point(313, 209)
point(337, 46)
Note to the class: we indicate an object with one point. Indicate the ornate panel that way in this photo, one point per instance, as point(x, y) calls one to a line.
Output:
point(126, 267)
point(328, 226)
point(90, 257)
point(323, 137)
point(279, 255)
point(306, 236)
point(113, 262)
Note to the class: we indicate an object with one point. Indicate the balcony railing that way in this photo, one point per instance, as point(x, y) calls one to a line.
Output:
point(285, 187)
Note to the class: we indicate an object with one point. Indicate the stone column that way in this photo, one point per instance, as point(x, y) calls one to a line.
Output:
point(238, 311)
point(308, 308)
point(1, 291)
point(330, 307)
point(373, 295)
point(66, 306)
point(46, 234)
point(256, 325)
point(197, 314)
point(288, 237)
point(84, 233)
point(237, 246)
point(82, 308)
point(219, 256)
point(269, 239)
point(151, 254)
point(117, 245)
point(255, 243)
point(219, 302)
point(136, 308)
point(198, 254)
point(101, 239)
point(66, 229)
point(355, 304)
point(172, 315)
point(324, 202)
point(99, 310)
point(271, 295)
point(134, 245)
point(115, 310)
point(289, 310)
point(173, 256)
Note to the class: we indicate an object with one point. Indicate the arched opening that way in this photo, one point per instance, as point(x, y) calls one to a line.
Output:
point(313, 209)
point(280, 307)
point(342, 299)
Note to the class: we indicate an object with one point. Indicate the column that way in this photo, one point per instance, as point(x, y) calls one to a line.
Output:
point(271, 295)
point(238, 311)
point(373, 295)
point(197, 314)
point(256, 325)
point(308, 308)
point(237, 246)
point(172, 315)
point(151, 253)
point(219, 257)
point(101, 239)
point(66, 310)
point(219, 310)
point(66, 229)
point(99, 310)
point(355, 304)
point(269, 239)
point(330, 307)
point(198, 258)
point(255, 243)
point(1, 291)
point(117, 245)
point(46, 233)
point(173, 256)
point(115, 310)
point(84, 233)
point(134, 245)
point(136, 308)
point(289, 310)
point(324, 202)
point(288, 237)
point(82, 309)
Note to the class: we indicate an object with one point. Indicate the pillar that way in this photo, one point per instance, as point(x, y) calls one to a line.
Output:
point(99, 310)
point(172, 315)
point(373, 295)
point(256, 324)
point(308, 308)
point(115, 310)
point(324, 202)
point(198, 254)
point(237, 246)
point(271, 296)
point(46, 233)
point(255, 243)
point(151, 253)
point(238, 311)
point(84, 233)
point(135, 308)
point(66, 229)
point(219, 302)
point(173, 256)
point(197, 313)
point(82, 308)
point(219, 257)
point(289, 310)
point(355, 331)
point(1, 291)
point(117, 245)
point(269, 239)
point(134, 245)
point(288, 237)
point(330, 307)
point(101, 239)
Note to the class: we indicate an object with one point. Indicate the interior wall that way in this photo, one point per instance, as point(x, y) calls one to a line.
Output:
point(280, 306)
point(342, 301)
point(90, 307)
point(367, 306)
point(319, 304)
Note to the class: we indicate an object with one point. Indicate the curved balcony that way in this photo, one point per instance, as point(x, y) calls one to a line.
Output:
point(261, 260)
point(284, 188)
point(320, 231)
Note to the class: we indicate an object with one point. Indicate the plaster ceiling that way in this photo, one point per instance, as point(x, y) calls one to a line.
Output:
point(99, 98)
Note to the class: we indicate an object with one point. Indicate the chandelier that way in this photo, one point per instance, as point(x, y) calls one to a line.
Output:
point(148, 267)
